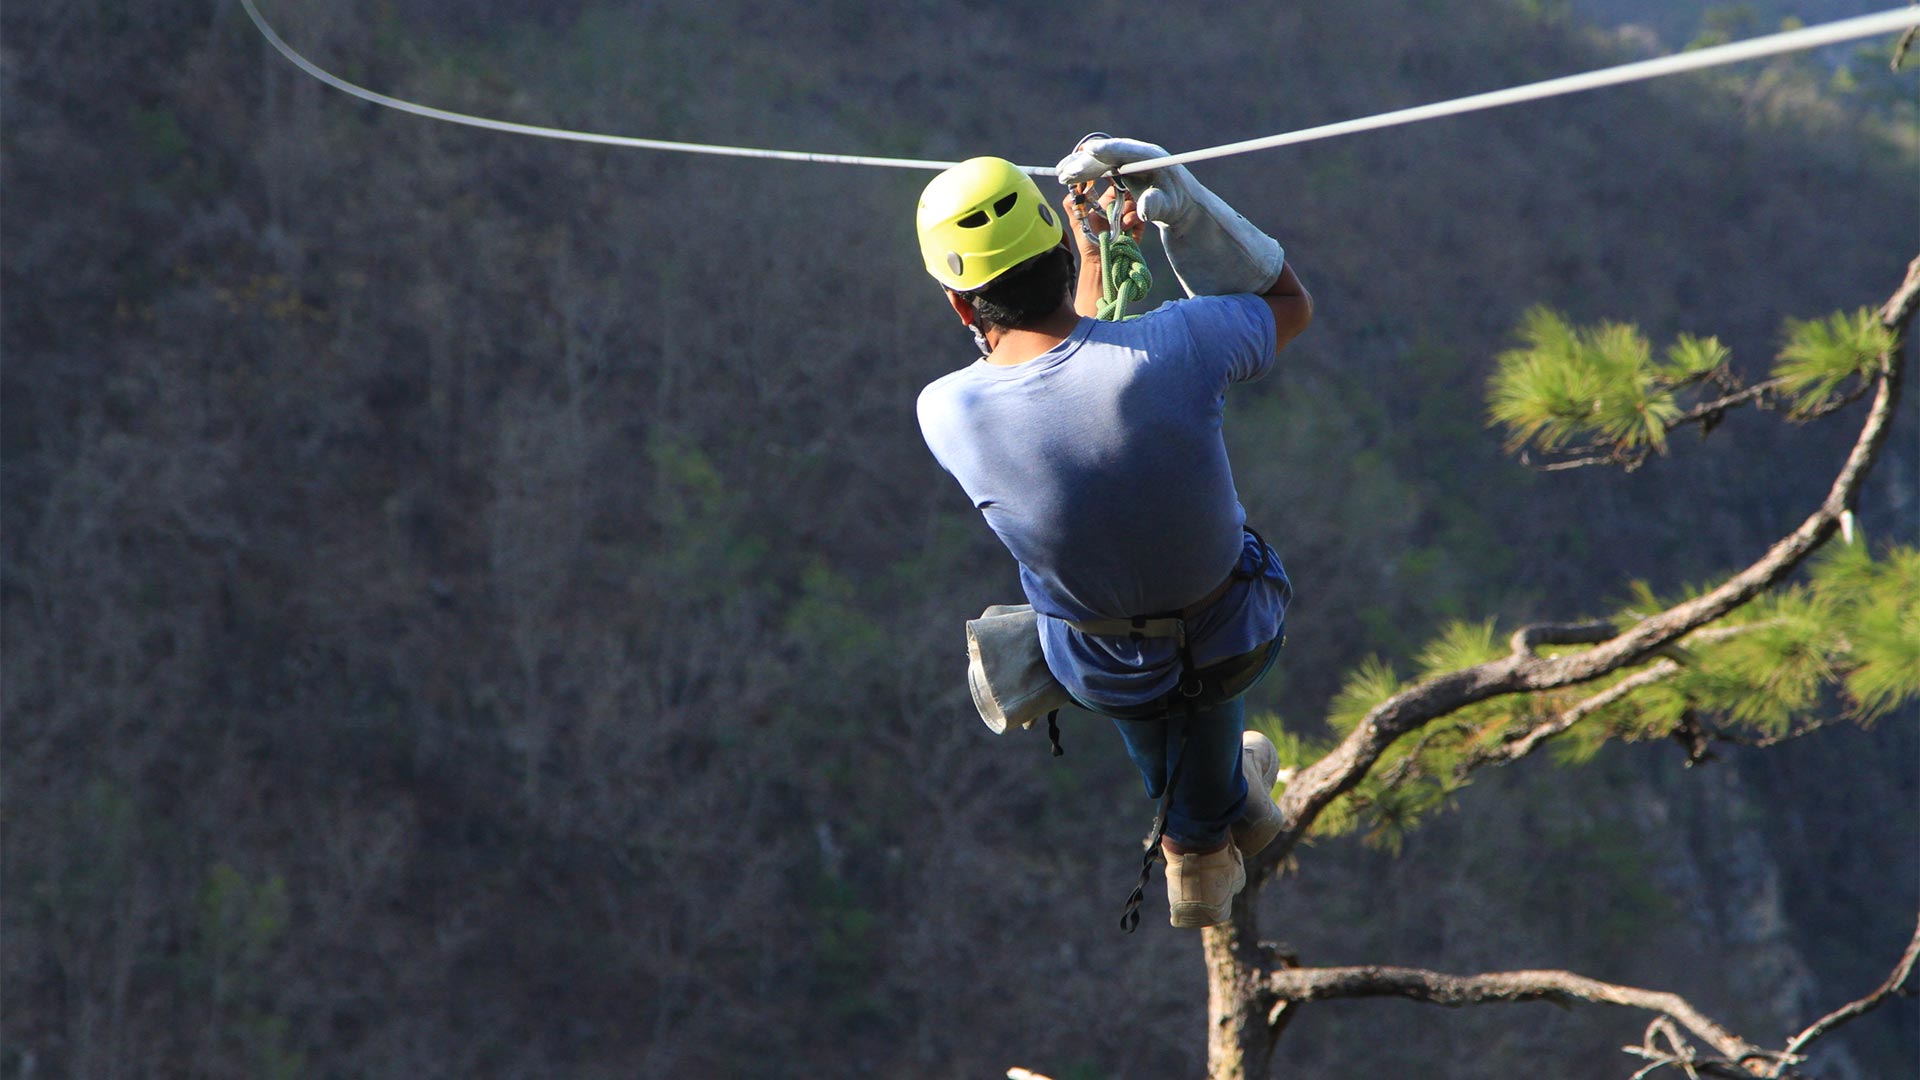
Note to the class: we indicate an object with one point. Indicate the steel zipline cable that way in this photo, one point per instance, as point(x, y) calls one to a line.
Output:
point(1787, 41)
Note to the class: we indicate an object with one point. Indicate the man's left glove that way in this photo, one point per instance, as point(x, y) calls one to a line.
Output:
point(1213, 249)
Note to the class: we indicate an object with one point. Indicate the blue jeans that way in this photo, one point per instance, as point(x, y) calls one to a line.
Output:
point(1212, 792)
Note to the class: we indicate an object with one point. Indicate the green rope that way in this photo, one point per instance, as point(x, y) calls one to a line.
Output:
point(1123, 273)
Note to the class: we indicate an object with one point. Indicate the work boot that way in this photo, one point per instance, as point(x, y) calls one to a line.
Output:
point(1201, 888)
point(1260, 821)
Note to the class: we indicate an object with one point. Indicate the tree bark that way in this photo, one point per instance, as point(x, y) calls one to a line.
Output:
point(1244, 1018)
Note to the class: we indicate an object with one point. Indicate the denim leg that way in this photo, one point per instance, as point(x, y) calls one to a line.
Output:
point(1212, 791)
point(1146, 742)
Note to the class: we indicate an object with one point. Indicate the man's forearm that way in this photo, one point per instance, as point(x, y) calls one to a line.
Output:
point(1292, 306)
point(1087, 288)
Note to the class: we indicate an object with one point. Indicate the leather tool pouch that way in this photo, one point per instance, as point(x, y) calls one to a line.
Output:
point(1006, 670)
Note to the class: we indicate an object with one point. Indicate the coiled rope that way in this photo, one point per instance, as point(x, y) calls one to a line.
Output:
point(1810, 37)
point(1124, 276)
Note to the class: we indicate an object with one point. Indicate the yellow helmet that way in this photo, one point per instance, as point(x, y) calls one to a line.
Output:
point(980, 219)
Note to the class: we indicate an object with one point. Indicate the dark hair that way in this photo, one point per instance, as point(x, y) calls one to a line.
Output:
point(1025, 294)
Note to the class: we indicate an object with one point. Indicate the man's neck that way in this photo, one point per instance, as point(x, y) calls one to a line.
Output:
point(1010, 347)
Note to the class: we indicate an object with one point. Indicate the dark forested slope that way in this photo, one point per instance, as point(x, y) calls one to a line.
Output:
point(476, 606)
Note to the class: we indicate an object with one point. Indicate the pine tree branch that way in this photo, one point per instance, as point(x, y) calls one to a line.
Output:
point(1531, 739)
point(1629, 461)
point(1764, 742)
point(1526, 742)
point(1895, 314)
point(1314, 787)
point(1297, 985)
point(1902, 971)
point(1707, 414)
point(1528, 638)
point(1678, 1053)
point(1281, 984)
point(1898, 311)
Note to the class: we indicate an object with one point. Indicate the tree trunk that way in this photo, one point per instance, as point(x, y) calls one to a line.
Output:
point(1239, 1039)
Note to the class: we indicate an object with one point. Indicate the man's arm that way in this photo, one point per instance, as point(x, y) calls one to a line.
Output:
point(1088, 288)
point(1291, 303)
point(1289, 300)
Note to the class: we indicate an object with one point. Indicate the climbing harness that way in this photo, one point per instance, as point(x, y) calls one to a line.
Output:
point(1186, 696)
point(1799, 40)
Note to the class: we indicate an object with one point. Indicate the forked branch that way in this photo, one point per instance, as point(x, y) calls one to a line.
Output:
point(1895, 983)
point(1561, 987)
point(1286, 985)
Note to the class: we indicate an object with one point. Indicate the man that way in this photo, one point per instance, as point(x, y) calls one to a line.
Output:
point(1094, 450)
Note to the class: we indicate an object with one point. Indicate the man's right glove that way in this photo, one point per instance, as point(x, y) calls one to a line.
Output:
point(1214, 250)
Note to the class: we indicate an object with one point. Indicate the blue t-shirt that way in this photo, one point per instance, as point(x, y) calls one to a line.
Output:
point(1101, 465)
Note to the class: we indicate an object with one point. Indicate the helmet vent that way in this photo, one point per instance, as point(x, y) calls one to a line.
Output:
point(1045, 216)
point(973, 220)
point(1000, 208)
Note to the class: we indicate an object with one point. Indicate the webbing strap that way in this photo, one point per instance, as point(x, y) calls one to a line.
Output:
point(1145, 626)
point(1130, 914)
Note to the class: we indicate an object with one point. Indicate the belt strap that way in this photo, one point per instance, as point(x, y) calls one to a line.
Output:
point(1172, 624)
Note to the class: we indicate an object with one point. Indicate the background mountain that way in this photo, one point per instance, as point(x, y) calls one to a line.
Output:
point(477, 606)
point(1678, 24)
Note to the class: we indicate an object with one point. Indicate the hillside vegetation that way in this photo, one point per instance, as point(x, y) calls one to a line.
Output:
point(480, 607)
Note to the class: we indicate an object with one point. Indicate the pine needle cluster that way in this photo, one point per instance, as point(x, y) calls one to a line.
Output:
point(1598, 394)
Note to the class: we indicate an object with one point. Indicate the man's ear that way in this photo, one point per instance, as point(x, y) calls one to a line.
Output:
point(961, 307)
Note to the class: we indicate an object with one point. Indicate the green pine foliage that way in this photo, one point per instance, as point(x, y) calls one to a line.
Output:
point(1366, 686)
point(1844, 644)
point(1881, 599)
point(1599, 389)
point(1823, 355)
point(1568, 386)
point(1841, 646)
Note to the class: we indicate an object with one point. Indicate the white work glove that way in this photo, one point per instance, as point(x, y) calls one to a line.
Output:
point(1214, 250)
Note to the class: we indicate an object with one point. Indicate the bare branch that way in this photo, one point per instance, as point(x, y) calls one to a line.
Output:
point(1898, 310)
point(1719, 735)
point(1528, 638)
point(1526, 742)
point(1280, 984)
point(1902, 971)
point(1833, 404)
point(1560, 987)
point(1678, 1053)
point(1754, 393)
point(1615, 457)
point(1529, 741)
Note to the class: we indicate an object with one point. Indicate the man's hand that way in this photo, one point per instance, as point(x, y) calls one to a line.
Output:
point(1213, 249)
point(1087, 220)
point(1090, 217)
point(1164, 195)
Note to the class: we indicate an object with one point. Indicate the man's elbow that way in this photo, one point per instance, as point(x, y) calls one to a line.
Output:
point(1291, 316)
